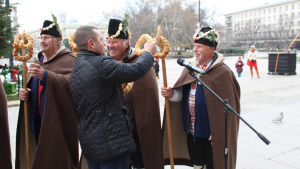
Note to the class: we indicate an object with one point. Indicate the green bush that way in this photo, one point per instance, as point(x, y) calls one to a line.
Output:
point(232, 50)
point(179, 53)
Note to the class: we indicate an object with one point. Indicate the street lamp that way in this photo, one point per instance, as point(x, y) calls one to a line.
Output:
point(199, 13)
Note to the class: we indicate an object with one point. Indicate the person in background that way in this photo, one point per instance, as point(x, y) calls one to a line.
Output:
point(252, 56)
point(239, 66)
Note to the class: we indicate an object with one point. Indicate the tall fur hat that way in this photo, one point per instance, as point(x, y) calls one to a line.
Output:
point(207, 36)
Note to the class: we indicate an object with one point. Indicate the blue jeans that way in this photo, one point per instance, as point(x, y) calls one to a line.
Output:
point(121, 162)
point(239, 74)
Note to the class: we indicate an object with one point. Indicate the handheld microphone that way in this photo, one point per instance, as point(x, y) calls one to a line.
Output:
point(182, 62)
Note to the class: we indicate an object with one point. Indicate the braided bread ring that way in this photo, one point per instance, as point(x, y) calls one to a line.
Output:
point(137, 50)
point(166, 48)
point(73, 44)
point(28, 44)
point(127, 87)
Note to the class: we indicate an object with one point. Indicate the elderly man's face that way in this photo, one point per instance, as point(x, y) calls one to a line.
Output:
point(48, 43)
point(116, 48)
point(203, 53)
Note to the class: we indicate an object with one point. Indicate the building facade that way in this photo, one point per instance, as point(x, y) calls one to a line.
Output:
point(277, 23)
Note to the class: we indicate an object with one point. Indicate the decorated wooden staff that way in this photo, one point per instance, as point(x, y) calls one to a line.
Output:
point(24, 41)
point(164, 50)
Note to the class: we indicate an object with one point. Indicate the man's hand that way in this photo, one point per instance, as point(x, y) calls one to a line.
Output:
point(210, 139)
point(166, 91)
point(36, 71)
point(23, 94)
point(151, 48)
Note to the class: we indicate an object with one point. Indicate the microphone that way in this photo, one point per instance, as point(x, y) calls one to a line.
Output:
point(182, 62)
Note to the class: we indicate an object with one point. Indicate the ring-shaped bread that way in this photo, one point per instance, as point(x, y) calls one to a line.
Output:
point(27, 45)
point(73, 44)
point(137, 50)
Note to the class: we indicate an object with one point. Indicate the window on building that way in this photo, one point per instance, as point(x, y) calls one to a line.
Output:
point(242, 22)
point(299, 14)
point(241, 15)
point(293, 7)
point(298, 5)
point(292, 23)
point(264, 11)
point(274, 25)
point(250, 14)
point(286, 8)
point(298, 23)
point(274, 10)
point(264, 19)
point(254, 13)
point(269, 11)
point(286, 15)
point(274, 18)
point(292, 15)
point(234, 16)
point(269, 18)
point(258, 12)
point(280, 9)
point(245, 15)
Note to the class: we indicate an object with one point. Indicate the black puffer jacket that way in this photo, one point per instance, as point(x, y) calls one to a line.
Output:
point(103, 124)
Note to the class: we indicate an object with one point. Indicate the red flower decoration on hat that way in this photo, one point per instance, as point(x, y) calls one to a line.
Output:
point(195, 39)
point(0, 37)
point(11, 10)
point(5, 65)
point(11, 44)
point(41, 29)
point(108, 35)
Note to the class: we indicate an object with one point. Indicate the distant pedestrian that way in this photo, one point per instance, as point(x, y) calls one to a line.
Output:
point(252, 56)
point(239, 66)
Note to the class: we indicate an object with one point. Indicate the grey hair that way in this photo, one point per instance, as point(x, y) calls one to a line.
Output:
point(125, 42)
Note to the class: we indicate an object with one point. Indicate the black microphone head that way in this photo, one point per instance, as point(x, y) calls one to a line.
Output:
point(180, 61)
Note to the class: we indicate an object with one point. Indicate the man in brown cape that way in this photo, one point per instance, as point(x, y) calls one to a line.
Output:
point(197, 116)
point(5, 152)
point(53, 136)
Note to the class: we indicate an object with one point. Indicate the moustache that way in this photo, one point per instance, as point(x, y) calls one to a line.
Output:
point(197, 53)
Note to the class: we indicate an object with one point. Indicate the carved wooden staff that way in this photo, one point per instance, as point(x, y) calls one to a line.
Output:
point(159, 43)
point(164, 50)
point(24, 41)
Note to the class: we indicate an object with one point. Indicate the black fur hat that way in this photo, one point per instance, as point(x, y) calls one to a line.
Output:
point(210, 39)
point(50, 28)
point(113, 28)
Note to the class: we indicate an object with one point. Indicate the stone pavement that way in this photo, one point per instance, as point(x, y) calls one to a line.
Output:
point(262, 99)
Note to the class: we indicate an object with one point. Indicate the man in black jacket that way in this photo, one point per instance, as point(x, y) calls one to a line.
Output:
point(95, 84)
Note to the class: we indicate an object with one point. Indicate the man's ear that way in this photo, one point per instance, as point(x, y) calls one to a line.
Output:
point(90, 44)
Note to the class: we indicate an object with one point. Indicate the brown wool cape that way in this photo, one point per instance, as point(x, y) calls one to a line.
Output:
point(5, 152)
point(222, 81)
point(145, 103)
point(58, 141)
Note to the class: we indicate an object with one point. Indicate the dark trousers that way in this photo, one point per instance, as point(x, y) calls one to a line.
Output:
point(200, 151)
point(37, 128)
point(136, 156)
point(120, 162)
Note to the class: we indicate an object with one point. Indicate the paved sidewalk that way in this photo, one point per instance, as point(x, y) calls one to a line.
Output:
point(261, 101)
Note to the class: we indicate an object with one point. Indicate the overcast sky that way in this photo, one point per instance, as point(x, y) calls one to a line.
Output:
point(32, 13)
